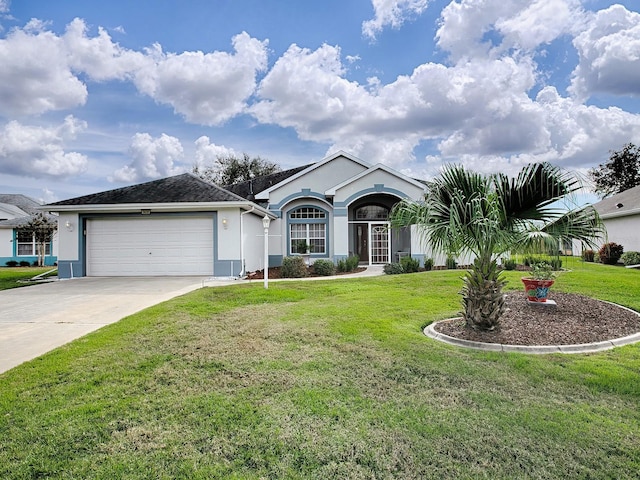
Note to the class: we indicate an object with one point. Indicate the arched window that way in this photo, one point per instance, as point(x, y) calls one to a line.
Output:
point(308, 230)
point(372, 212)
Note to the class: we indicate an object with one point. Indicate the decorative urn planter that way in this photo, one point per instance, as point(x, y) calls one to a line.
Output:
point(537, 290)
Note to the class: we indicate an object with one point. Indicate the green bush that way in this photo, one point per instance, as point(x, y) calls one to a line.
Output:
point(610, 253)
point(630, 258)
point(393, 269)
point(556, 264)
point(410, 265)
point(451, 263)
point(530, 260)
point(11, 263)
point(588, 255)
point(428, 264)
point(293, 267)
point(349, 264)
point(509, 263)
point(24, 263)
point(324, 267)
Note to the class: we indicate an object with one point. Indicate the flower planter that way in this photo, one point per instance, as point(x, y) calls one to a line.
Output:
point(537, 290)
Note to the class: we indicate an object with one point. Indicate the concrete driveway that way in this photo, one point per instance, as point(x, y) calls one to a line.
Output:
point(39, 318)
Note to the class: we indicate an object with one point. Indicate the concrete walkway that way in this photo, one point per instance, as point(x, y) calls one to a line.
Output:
point(39, 318)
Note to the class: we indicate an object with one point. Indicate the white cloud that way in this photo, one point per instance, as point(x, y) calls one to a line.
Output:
point(37, 151)
point(99, 57)
point(391, 13)
point(4, 5)
point(609, 50)
point(207, 89)
point(151, 158)
point(476, 28)
point(35, 77)
point(207, 152)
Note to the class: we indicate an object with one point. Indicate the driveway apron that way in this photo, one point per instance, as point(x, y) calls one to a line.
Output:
point(39, 318)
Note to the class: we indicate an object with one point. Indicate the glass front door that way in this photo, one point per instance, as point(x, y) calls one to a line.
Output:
point(372, 242)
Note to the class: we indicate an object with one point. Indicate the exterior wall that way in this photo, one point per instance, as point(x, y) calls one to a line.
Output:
point(228, 260)
point(377, 181)
point(8, 249)
point(624, 231)
point(253, 237)
point(316, 182)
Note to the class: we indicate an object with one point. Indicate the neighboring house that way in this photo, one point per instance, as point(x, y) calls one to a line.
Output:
point(183, 225)
point(621, 216)
point(15, 245)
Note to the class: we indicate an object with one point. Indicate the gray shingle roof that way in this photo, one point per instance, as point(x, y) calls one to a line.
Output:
point(620, 204)
point(27, 204)
point(252, 187)
point(177, 189)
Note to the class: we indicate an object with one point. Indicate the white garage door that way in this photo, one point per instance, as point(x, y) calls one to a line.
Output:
point(150, 246)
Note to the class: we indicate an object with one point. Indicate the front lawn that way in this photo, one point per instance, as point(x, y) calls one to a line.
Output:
point(322, 379)
point(12, 277)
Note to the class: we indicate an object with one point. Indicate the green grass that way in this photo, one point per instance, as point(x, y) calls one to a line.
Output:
point(323, 379)
point(13, 277)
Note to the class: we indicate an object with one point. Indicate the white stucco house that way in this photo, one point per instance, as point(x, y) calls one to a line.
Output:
point(621, 216)
point(183, 225)
point(16, 245)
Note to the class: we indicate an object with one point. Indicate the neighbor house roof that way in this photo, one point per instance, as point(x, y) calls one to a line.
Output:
point(185, 188)
point(620, 205)
point(21, 207)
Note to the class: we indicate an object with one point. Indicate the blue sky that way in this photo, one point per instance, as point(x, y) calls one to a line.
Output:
point(97, 95)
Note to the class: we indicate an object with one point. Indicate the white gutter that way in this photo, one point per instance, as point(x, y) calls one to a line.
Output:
point(242, 214)
point(624, 213)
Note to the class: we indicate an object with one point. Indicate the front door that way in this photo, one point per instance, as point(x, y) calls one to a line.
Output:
point(362, 242)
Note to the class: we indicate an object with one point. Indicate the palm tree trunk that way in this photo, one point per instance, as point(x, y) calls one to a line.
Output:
point(482, 298)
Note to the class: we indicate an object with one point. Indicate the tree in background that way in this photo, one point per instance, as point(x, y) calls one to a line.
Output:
point(227, 170)
point(620, 173)
point(465, 212)
point(42, 228)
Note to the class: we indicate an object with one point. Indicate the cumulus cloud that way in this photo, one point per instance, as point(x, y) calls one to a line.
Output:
point(609, 50)
point(37, 151)
point(35, 76)
point(207, 152)
point(391, 13)
point(210, 88)
point(151, 158)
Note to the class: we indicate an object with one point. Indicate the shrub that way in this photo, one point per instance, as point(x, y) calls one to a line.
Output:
point(11, 263)
point(530, 260)
point(509, 263)
point(556, 264)
point(428, 264)
point(588, 255)
point(630, 258)
point(410, 265)
point(293, 267)
point(349, 264)
point(393, 269)
point(610, 253)
point(24, 263)
point(324, 267)
point(451, 263)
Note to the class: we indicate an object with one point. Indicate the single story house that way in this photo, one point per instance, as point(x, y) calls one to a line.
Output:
point(16, 245)
point(621, 216)
point(183, 225)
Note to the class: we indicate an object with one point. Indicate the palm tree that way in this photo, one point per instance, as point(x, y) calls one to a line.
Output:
point(488, 215)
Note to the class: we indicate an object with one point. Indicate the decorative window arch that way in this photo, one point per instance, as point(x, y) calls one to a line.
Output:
point(307, 226)
point(372, 212)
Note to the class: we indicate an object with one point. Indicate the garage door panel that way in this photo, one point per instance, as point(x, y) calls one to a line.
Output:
point(150, 246)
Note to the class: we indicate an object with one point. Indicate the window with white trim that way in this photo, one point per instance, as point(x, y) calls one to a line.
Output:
point(307, 230)
point(26, 244)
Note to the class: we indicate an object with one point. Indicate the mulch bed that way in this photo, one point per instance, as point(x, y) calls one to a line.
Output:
point(274, 273)
point(576, 319)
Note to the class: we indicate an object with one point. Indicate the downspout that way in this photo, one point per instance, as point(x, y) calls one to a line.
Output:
point(242, 272)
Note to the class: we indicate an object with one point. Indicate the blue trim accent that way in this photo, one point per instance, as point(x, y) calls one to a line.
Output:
point(378, 188)
point(304, 193)
point(337, 258)
point(66, 266)
point(420, 257)
point(49, 260)
point(341, 212)
point(275, 260)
